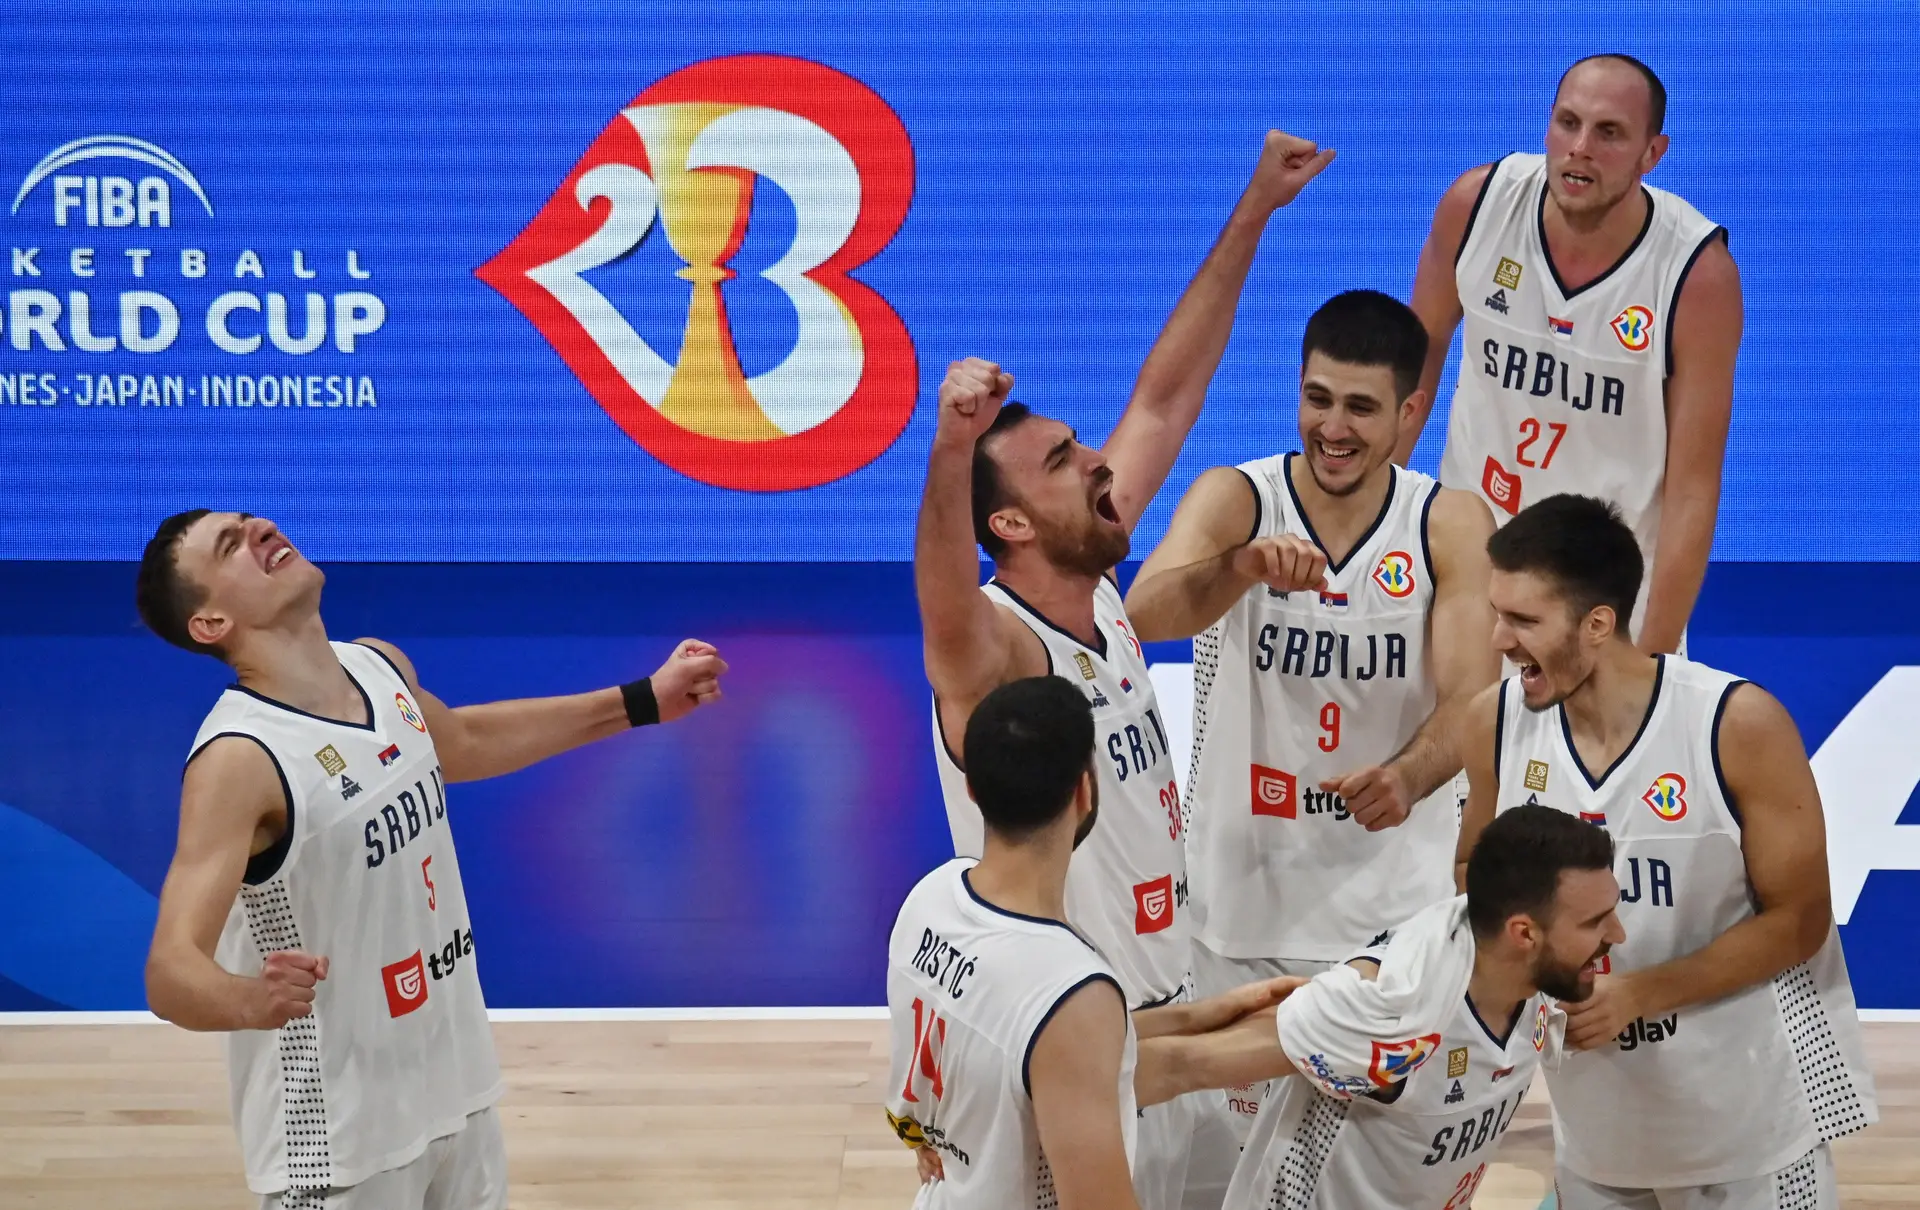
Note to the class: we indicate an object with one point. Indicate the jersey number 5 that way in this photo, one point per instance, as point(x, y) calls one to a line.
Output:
point(925, 1063)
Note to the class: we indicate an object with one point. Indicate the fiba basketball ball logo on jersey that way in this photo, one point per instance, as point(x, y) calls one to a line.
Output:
point(1395, 1061)
point(1634, 328)
point(684, 163)
point(1394, 575)
point(408, 713)
point(1667, 796)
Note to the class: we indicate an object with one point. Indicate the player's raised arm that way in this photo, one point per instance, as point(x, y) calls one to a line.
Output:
point(1783, 837)
point(1464, 664)
point(1436, 295)
point(1479, 731)
point(1173, 381)
point(1210, 557)
point(1073, 1079)
point(972, 645)
point(232, 806)
point(493, 738)
point(1699, 401)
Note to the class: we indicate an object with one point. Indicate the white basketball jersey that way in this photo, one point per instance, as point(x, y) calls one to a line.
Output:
point(1294, 688)
point(1718, 1092)
point(1426, 1142)
point(397, 1051)
point(1127, 886)
point(969, 987)
point(1565, 390)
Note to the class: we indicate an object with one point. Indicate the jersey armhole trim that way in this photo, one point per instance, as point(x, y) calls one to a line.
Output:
point(1719, 772)
point(1680, 283)
point(266, 863)
point(940, 729)
point(1259, 514)
point(1044, 620)
point(1466, 233)
point(1026, 1060)
point(1426, 544)
point(388, 661)
point(1499, 734)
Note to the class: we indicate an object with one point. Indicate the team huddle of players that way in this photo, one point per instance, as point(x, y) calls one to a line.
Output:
point(1321, 976)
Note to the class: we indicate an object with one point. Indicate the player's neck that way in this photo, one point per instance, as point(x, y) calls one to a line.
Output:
point(1063, 598)
point(1607, 711)
point(1028, 878)
point(1583, 246)
point(1498, 987)
point(1339, 521)
point(297, 666)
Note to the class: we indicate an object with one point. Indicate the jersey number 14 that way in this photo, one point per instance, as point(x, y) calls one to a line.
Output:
point(924, 1066)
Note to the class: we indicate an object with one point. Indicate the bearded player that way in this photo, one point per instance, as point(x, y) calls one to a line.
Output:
point(1602, 322)
point(314, 910)
point(1056, 516)
point(1720, 1053)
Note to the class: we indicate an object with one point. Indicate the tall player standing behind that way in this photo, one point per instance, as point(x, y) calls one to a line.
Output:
point(1056, 518)
point(1016, 1070)
point(314, 909)
point(1722, 1050)
point(1602, 322)
point(1340, 604)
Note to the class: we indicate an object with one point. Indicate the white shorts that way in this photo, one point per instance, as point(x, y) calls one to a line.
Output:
point(1806, 1184)
point(465, 1170)
point(1223, 1118)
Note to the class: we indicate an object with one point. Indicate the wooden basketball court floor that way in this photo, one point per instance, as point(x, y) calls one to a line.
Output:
point(779, 1114)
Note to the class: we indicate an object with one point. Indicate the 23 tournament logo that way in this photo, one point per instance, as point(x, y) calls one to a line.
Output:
point(682, 163)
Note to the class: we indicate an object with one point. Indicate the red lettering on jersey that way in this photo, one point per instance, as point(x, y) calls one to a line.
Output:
point(428, 875)
point(926, 1023)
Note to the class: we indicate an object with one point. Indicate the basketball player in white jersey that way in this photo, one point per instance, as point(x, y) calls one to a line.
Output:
point(314, 910)
point(1017, 1070)
point(1720, 1053)
point(1413, 1057)
point(1056, 517)
point(1340, 606)
point(1602, 322)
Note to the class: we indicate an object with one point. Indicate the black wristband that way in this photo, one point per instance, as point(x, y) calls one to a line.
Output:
point(642, 706)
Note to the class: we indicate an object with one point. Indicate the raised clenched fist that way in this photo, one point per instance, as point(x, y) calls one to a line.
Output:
point(971, 396)
point(1288, 563)
point(1286, 165)
point(284, 988)
point(688, 680)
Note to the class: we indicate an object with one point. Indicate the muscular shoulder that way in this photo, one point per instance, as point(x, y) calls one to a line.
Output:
point(1753, 724)
point(1456, 204)
point(1224, 496)
point(396, 656)
point(232, 779)
point(1709, 304)
point(1458, 526)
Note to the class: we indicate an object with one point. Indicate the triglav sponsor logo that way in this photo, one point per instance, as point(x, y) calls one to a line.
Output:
point(683, 162)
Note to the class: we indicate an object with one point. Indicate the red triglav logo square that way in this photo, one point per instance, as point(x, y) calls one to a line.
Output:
point(406, 983)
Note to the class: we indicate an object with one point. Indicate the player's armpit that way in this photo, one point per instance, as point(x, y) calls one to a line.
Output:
point(1479, 724)
point(232, 806)
point(1436, 298)
point(1188, 581)
point(1783, 838)
point(1073, 1079)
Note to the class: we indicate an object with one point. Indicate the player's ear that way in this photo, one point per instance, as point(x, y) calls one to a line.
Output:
point(1600, 623)
point(1656, 148)
point(208, 626)
point(1411, 405)
point(1011, 525)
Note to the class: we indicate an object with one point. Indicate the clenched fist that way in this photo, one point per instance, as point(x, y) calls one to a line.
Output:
point(284, 989)
point(971, 396)
point(1288, 563)
point(1286, 165)
point(689, 679)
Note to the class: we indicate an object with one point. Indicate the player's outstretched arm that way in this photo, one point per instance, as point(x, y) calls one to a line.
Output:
point(1173, 381)
point(1479, 726)
point(1460, 638)
point(1244, 1052)
point(1783, 835)
point(1214, 1012)
point(1706, 340)
point(972, 645)
point(478, 742)
point(1210, 556)
point(1436, 297)
point(232, 801)
point(1073, 1079)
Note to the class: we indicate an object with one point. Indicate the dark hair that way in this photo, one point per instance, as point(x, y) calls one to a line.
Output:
point(1368, 328)
point(1515, 866)
point(164, 597)
point(1582, 545)
point(1027, 745)
point(1656, 91)
point(990, 493)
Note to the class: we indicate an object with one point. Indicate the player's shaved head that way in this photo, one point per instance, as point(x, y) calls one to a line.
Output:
point(1656, 91)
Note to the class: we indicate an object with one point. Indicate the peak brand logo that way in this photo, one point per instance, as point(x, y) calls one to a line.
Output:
point(683, 163)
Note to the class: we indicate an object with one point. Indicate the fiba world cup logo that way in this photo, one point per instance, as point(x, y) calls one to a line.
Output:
point(682, 163)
